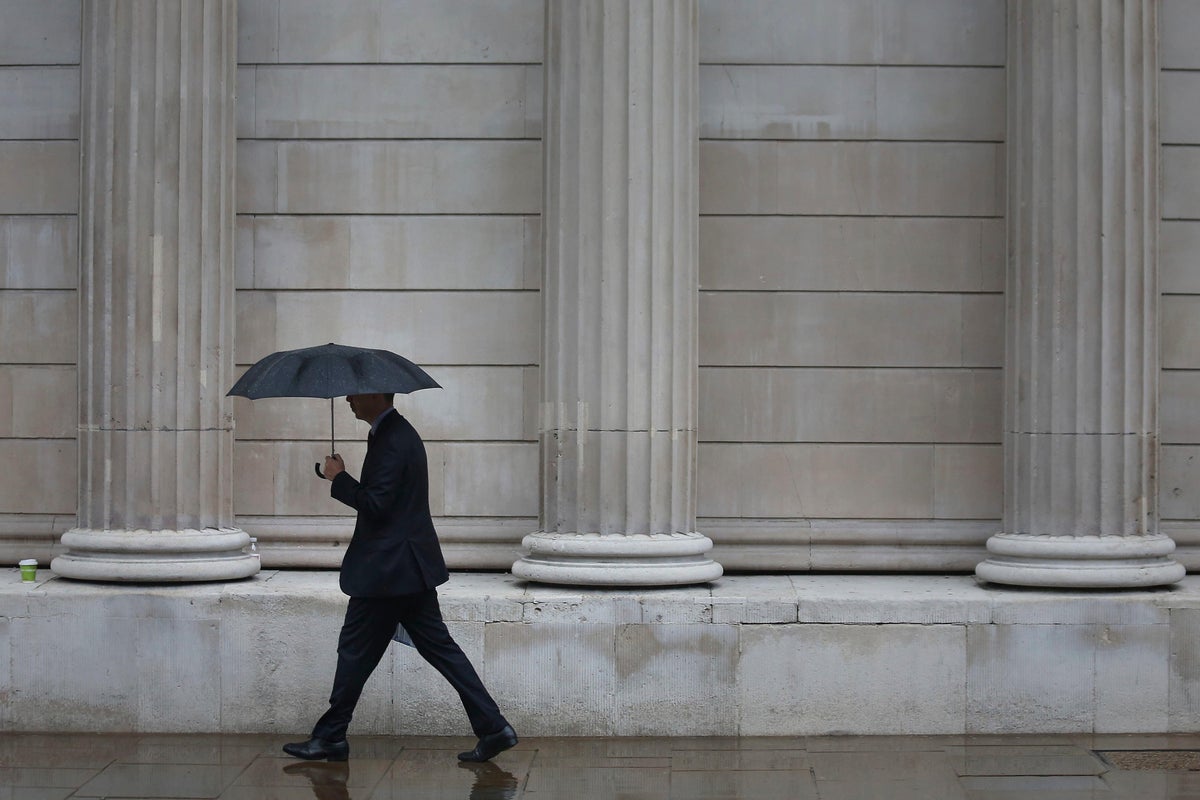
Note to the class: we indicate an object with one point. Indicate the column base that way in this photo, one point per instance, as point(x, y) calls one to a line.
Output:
point(142, 556)
point(1080, 562)
point(593, 559)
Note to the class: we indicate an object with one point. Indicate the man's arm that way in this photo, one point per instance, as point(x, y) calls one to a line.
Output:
point(376, 492)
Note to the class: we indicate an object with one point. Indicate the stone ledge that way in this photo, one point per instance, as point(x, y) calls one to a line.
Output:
point(745, 655)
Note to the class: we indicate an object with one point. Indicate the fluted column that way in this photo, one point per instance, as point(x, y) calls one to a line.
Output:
point(1081, 361)
point(156, 295)
point(618, 418)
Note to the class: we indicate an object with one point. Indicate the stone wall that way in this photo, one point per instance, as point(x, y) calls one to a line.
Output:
point(39, 203)
point(851, 268)
point(852, 276)
point(1179, 253)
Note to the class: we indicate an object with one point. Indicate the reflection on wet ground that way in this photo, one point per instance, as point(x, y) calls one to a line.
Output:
point(252, 767)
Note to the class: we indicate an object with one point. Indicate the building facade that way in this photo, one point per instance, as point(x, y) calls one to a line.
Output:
point(854, 172)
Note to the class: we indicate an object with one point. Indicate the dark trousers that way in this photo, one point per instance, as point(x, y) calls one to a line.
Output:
point(367, 632)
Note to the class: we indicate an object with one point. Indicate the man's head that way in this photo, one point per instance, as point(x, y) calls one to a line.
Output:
point(368, 407)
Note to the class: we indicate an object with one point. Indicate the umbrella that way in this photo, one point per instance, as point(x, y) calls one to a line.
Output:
point(331, 370)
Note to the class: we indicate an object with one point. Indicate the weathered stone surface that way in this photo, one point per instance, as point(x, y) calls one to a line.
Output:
point(37, 402)
point(39, 102)
point(47, 172)
point(1039, 677)
point(851, 178)
point(46, 481)
point(1179, 25)
point(411, 101)
point(426, 327)
point(1178, 243)
point(821, 102)
point(849, 405)
point(367, 31)
point(389, 177)
point(968, 481)
point(851, 329)
point(1132, 679)
point(378, 252)
point(811, 678)
point(1180, 182)
point(39, 252)
point(40, 32)
point(860, 254)
point(852, 32)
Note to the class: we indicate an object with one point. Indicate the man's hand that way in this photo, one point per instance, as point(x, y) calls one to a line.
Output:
point(334, 466)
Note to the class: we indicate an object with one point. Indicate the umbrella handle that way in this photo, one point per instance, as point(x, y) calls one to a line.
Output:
point(317, 468)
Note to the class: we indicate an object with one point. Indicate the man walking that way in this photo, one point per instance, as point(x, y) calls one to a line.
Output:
point(389, 571)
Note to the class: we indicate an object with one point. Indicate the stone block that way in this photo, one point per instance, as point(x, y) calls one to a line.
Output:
point(38, 402)
point(849, 405)
point(364, 252)
point(6, 684)
point(1179, 394)
point(983, 330)
point(1183, 698)
point(941, 32)
point(802, 480)
point(178, 674)
point(890, 599)
point(491, 479)
point(258, 33)
point(1180, 184)
point(393, 177)
point(852, 178)
point(1179, 30)
point(570, 668)
point(46, 480)
point(39, 252)
point(851, 254)
point(968, 481)
point(47, 174)
point(676, 680)
point(1179, 95)
point(244, 122)
point(1180, 331)
point(833, 330)
point(1132, 679)
point(804, 679)
point(369, 31)
point(278, 654)
point(1178, 479)
point(1031, 678)
point(786, 102)
point(39, 102)
point(40, 32)
point(86, 685)
point(1178, 243)
point(753, 599)
point(243, 253)
point(424, 703)
point(1063, 607)
point(950, 104)
point(409, 101)
point(257, 176)
point(426, 327)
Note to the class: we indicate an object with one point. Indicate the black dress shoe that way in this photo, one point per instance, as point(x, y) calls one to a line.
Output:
point(491, 745)
point(315, 749)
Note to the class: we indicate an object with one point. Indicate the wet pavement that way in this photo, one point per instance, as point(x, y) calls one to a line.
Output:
point(252, 767)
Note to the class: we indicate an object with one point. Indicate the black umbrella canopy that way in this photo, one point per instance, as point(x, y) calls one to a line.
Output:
point(331, 370)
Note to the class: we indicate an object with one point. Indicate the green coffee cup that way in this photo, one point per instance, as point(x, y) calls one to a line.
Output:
point(29, 570)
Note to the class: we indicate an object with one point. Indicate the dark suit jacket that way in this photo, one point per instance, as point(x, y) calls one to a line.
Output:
point(394, 549)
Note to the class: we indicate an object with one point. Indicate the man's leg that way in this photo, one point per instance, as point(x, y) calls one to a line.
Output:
point(366, 633)
point(422, 618)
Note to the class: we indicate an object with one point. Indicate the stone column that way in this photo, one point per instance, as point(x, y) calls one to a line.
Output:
point(619, 358)
point(1081, 362)
point(156, 295)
